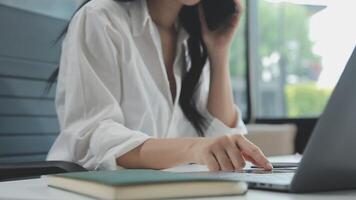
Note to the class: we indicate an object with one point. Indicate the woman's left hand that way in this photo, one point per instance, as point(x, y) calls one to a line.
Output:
point(219, 41)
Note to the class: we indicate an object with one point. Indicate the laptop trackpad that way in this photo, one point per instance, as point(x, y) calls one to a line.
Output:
point(262, 171)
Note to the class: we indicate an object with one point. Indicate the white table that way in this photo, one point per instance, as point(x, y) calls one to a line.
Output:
point(36, 189)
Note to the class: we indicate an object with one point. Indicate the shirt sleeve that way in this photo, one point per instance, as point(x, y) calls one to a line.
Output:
point(215, 126)
point(93, 132)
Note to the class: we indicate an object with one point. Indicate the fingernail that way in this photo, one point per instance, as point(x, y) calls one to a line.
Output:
point(269, 165)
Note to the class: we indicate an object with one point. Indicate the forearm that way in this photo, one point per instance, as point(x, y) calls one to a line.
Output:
point(221, 153)
point(158, 154)
point(220, 100)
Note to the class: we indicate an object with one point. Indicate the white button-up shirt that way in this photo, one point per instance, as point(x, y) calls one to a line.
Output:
point(113, 92)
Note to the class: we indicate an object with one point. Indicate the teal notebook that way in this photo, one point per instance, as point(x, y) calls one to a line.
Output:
point(144, 184)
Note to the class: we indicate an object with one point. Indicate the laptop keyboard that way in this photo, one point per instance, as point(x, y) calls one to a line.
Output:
point(279, 177)
point(273, 178)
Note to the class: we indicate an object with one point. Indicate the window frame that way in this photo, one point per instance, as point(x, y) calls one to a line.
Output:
point(304, 126)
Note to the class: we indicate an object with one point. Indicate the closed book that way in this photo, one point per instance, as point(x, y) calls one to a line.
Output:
point(144, 184)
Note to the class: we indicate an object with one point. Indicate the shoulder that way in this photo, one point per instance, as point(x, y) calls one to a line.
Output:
point(103, 14)
point(99, 26)
point(108, 8)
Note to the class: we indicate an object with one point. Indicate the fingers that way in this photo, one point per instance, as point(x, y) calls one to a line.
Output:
point(252, 151)
point(235, 20)
point(203, 23)
point(224, 155)
point(227, 154)
point(248, 158)
point(236, 158)
point(224, 161)
point(211, 162)
point(239, 6)
point(236, 17)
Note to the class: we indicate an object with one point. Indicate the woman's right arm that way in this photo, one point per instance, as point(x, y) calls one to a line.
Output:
point(225, 153)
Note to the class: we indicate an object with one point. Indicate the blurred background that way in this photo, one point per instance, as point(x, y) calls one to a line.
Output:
point(300, 49)
point(288, 59)
point(285, 61)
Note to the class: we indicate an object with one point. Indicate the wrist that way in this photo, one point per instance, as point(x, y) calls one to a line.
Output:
point(218, 52)
point(191, 150)
point(219, 59)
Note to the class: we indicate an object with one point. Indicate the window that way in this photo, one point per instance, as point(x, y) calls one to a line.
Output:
point(301, 47)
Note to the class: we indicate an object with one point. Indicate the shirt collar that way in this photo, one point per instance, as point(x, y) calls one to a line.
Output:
point(139, 16)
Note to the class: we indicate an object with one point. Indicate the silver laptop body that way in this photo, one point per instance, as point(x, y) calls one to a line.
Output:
point(329, 160)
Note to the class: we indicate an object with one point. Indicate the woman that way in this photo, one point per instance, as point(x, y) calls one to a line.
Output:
point(133, 91)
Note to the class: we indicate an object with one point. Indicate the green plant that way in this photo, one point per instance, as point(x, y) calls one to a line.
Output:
point(306, 99)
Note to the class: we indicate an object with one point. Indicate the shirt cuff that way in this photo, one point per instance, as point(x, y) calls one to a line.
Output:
point(108, 161)
point(110, 141)
point(218, 128)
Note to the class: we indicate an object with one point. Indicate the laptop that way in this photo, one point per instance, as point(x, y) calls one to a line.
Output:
point(329, 160)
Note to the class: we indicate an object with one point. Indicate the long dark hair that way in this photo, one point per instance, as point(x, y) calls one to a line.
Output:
point(189, 18)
